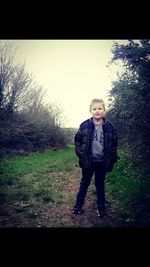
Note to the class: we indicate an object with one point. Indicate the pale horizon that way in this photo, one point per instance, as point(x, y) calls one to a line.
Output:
point(73, 72)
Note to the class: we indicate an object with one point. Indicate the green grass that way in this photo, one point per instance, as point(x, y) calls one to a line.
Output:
point(129, 192)
point(40, 176)
point(36, 182)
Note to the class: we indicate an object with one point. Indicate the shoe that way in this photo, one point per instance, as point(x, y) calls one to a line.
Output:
point(101, 212)
point(77, 209)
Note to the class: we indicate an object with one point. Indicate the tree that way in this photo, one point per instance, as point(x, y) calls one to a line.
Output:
point(131, 97)
point(18, 91)
point(25, 121)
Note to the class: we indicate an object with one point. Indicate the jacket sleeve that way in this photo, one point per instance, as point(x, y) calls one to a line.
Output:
point(78, 143)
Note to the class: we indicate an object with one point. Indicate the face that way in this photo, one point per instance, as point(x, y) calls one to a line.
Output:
point(97, 111)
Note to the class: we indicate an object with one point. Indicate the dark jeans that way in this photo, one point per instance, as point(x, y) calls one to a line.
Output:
point(100, 172)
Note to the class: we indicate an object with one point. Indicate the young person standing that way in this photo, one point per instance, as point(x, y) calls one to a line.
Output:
point(96, 147)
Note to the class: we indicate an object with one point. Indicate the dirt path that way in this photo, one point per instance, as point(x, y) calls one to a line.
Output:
point(61, 215)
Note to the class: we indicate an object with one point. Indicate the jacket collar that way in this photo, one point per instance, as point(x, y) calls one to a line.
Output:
point(103, 119)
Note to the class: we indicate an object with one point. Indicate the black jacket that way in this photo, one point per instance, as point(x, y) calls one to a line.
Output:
point(83, 141)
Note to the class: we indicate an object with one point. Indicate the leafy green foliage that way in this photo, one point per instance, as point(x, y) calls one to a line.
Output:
point(130, 107)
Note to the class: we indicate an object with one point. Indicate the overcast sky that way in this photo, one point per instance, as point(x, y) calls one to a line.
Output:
point(72, 71)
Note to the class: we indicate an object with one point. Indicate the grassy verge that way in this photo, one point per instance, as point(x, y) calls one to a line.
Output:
point(32, 185)
point(129, 189)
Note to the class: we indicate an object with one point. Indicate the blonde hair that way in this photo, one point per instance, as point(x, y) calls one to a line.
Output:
point(97, 100)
